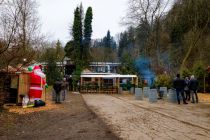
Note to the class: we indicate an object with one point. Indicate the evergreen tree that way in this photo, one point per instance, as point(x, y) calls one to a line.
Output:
point(70, 50)
point(77, 36)
point(88, 26)
point(107, 40)
point(87, 32)
point(59, 51)
point(127, 64)
point(78, 48)
point(52, 70)
point(123, 43)
point(81, 37)
point(110, 47)
point(81, 12)
point(126, 42)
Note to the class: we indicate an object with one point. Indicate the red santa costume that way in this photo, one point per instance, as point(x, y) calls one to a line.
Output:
point(37, 83)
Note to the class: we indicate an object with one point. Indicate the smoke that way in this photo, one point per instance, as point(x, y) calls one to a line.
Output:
point(144, 70)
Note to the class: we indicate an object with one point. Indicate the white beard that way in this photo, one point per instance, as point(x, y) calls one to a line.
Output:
point(39, 73)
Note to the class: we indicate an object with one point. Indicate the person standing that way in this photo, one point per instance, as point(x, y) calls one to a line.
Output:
point(64, 88)
point(57, 89)
point(193, 86)
point(186, 89)
point(179, 85)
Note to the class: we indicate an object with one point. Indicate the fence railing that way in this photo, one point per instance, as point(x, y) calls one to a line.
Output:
point(98, 89)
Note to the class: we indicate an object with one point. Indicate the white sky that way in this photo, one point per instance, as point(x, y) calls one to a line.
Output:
point(57, 16)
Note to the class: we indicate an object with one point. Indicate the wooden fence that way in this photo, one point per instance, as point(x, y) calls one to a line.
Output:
point(98, 89)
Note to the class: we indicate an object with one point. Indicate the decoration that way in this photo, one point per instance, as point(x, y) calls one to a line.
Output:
point(30, 68)
point(37, 83)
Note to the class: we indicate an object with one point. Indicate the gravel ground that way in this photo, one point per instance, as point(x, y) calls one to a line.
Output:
point(70, 120)
point(134, 120)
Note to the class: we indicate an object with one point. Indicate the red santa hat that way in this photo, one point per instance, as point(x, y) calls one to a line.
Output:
point(36, 68)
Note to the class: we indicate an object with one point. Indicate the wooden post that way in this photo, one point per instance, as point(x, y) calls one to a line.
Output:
point(136, 81)
point(81, 81)
point(99, 84)
point(204, 83)
point(132, 80)
point(118, 82)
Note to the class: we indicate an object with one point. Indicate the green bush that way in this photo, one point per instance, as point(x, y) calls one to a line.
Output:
point(200, 72)
point(163, 80)
point(127, 86)
point(186, 73)
point(76, 75)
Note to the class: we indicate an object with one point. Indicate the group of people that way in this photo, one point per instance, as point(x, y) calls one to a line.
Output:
point(60, 90)
point(187, 88)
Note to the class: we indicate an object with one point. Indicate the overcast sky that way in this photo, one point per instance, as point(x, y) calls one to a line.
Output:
point(57, 16)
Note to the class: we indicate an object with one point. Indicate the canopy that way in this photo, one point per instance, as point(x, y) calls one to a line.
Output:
point(107, 76)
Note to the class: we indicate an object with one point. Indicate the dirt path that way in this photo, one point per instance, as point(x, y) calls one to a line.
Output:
point(134, 120)
point(71, 120)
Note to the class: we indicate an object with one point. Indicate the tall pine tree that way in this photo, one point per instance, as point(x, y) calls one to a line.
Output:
point(78, 48)
point(108, 40)
point(88, 26)
point(59, 51)
point(77, 36)
point(87, 33)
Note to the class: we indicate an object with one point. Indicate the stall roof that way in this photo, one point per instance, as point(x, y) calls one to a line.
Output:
point(107, 76)
point(14, 70)
point(93, 73)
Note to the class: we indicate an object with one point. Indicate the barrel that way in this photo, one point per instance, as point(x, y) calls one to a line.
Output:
point(153, 95)
point(138, 94)
point(132, 90)
point(172, 96)
point(164, 90)
point(120, 91)
point(146, 91)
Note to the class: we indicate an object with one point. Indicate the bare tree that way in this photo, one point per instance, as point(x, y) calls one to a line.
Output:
point(148, 14)
point(19, 31)
point(145, 11)
point(9, 24)
point(199, 18)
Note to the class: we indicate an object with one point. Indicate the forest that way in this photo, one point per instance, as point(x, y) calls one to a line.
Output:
point(162, 41)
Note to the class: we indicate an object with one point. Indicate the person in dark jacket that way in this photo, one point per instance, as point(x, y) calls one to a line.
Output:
point(57, 89)
point(179, 85)
point(193, 86)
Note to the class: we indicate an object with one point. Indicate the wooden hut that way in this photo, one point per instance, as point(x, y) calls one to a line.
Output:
point(14, 85)
point(104, 82)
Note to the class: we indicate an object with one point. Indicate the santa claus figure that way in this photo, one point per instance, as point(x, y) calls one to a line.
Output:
point(37, 83)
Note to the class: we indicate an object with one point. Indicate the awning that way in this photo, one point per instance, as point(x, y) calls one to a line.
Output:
point(107, 76)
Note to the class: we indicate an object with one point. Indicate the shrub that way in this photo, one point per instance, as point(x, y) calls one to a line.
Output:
point(163, 80)
point(186, 73)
